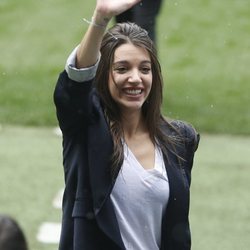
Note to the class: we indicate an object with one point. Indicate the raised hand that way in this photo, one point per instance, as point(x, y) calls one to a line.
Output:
point(110, 8)
point(88, 51)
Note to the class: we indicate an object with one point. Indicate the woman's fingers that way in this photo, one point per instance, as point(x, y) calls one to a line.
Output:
point(112, 8)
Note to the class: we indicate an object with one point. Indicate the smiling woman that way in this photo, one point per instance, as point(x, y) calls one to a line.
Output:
point(127, 168)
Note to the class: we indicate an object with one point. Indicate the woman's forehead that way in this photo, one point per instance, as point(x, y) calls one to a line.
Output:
point(128, 52)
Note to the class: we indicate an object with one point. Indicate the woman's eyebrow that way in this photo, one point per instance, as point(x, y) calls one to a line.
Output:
point(124, 62)
point(120, 62)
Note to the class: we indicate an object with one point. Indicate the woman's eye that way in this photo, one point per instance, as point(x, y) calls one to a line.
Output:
point(145, 70)
point(120, 70)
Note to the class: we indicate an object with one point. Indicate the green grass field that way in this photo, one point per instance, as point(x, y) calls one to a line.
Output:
point(203, 47)
point(204, 51)
point(30, 159)
point(31, 176)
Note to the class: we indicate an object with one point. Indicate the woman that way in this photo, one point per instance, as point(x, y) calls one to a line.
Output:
point(127, 169)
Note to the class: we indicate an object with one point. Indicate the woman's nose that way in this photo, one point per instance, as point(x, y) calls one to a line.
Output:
point(135, 76)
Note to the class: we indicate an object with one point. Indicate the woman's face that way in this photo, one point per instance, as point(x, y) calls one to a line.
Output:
point(130, 77)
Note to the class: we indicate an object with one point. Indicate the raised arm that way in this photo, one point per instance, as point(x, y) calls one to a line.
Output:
point(88, 51)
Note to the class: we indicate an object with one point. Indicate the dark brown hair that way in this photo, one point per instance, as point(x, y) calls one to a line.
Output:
point(119, 34)
point(11, 235)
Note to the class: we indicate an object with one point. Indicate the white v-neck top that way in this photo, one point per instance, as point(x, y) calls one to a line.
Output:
point(140, 198)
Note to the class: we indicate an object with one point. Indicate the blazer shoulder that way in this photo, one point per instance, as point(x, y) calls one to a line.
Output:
point(187, 132)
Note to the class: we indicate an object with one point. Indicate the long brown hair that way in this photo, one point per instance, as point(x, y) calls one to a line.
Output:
point(120, 34)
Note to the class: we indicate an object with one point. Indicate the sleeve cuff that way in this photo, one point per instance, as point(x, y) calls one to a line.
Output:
point(79, 75)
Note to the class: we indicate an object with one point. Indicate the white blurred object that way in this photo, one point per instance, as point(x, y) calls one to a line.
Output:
point(57, 202)
point(57, 131)
point(49, 233)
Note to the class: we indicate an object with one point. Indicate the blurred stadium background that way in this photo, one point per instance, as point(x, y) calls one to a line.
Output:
point(204, 50)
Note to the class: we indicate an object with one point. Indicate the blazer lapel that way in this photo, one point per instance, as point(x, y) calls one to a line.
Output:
point(100, 148)
point(99, 151)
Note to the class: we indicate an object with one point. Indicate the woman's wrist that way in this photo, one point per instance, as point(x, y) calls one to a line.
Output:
point(100, 19)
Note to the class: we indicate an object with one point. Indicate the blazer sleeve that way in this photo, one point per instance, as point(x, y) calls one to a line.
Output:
point(190, 141)
point(72, 103)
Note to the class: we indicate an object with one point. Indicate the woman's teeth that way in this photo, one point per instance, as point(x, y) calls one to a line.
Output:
point(133, 91)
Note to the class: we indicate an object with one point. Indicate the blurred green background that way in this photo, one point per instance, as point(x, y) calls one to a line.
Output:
point(203, 47)
point(204, 51)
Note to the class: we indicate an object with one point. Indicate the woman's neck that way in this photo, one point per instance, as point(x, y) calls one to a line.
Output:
point(133, 124)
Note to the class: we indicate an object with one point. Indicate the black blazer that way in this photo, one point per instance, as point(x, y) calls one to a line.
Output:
point(89, 221)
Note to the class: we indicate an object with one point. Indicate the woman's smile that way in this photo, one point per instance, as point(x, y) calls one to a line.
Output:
point(133, 92)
